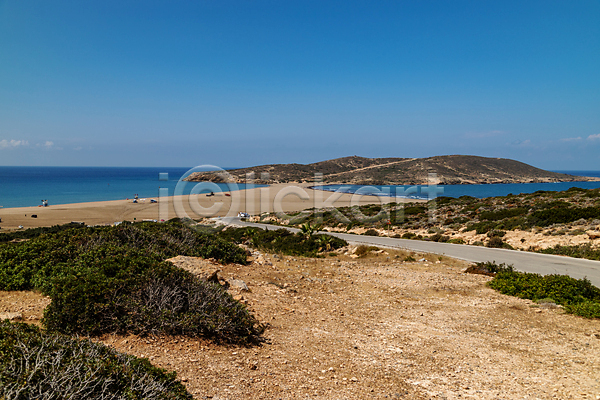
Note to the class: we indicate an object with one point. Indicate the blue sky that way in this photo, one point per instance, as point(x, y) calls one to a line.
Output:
point(241, 83)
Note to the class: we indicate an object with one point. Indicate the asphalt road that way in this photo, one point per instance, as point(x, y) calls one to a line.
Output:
point(521, 260)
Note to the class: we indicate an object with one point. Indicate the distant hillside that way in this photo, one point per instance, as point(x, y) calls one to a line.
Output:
point(454, 169)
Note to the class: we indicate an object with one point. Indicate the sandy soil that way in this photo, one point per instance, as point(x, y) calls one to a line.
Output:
point(377, 327)
point(282, 197)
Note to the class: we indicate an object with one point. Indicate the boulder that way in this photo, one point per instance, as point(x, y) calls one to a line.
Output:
point(593, 235)
point(11, 316)
point(237, 285)
point(204, 269)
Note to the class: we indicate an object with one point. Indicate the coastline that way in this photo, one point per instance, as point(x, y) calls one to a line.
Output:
point(477, 190)
point(448, 182)
point(286, 198)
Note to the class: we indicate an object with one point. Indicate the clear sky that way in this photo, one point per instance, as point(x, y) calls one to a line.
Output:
point(241, 83)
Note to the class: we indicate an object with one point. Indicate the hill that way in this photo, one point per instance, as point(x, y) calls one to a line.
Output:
point(452, 169)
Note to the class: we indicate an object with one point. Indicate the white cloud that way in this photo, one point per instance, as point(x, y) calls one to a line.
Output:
point(571, 139)
point(11, 144)
point(47, 145)
point(594, 137)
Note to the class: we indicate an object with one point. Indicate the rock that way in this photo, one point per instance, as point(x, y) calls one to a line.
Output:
point(238, 284)
point(208, 274)
point(11, 316)
point(204, 269)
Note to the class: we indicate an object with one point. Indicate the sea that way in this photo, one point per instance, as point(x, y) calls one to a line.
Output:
point(479, 191)
point(28, 186)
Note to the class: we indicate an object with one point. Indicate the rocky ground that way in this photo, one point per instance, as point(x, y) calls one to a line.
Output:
point(374, 327)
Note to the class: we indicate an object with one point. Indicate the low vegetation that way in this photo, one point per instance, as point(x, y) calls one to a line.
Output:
point(577, 296)
point(578, 251)
point(137, 295)
point(115, 279)
point(539, 209)
point(282, 241)
point(35, 232)
point(572, 212)
point(33, 264)
point(40, 365)
point(363, 250)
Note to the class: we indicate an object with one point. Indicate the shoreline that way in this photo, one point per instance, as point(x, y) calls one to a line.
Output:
point(284, 198)
point(315, 186)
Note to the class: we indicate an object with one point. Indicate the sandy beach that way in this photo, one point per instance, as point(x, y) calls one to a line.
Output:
point(284, 198)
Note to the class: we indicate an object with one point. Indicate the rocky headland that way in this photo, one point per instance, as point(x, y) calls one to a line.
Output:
point(450, 170)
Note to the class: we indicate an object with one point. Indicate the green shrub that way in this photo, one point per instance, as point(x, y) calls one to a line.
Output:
point(363, 250)
point(579, 251)
point(456, 241)
point(445, 200)
point(143, 296)
point(482, 227)
point(502, 214)
point(496, 233)
point(371, 232)
point(562, 214)
point(488, 268)
point(438, 237)
point(32, 264)
point(39, 365)
point(283, 241)
point(114, 279)
point(415, 210)
point(592, 193)
point(586, 309)
point(408, 235)
point(495, 242)
point(578, 296)
point(31, 233)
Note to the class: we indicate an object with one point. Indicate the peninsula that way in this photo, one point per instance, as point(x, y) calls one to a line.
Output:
point(450, 170)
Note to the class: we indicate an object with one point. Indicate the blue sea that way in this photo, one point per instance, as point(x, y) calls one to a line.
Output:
point(28, 186)
point(479, 191)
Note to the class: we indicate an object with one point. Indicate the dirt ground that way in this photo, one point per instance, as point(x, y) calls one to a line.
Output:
point(377, 328)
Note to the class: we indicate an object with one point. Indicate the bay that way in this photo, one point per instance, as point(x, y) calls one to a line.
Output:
point(28, 186)
point(478, 191)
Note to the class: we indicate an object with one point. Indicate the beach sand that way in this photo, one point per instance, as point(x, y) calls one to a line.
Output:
point(282, 197)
